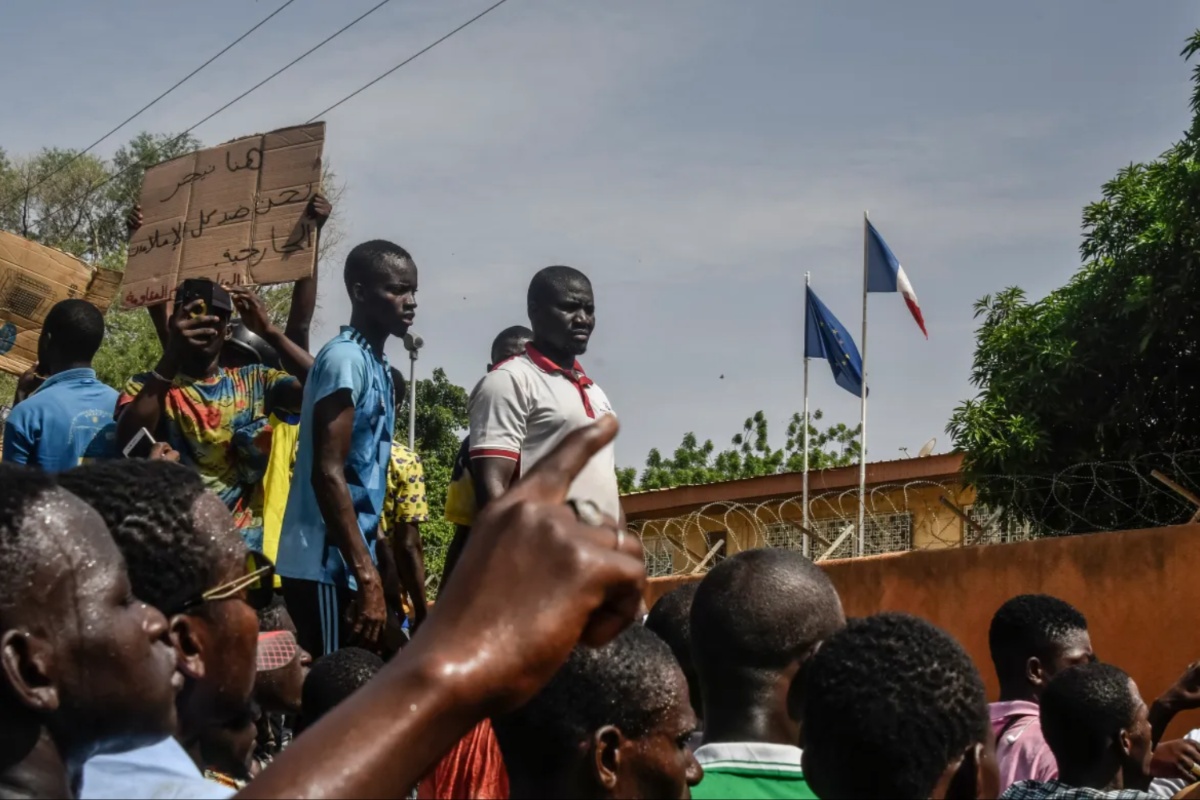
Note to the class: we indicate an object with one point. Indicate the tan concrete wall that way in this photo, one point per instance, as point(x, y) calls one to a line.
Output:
point(1140, 591)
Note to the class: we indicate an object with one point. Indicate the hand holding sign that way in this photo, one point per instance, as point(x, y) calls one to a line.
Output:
point(244, 213)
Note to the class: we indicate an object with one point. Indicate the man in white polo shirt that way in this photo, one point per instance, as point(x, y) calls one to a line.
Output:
point(525, 405)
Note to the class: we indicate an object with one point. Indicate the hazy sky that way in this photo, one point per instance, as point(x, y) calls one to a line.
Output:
point(693, 157)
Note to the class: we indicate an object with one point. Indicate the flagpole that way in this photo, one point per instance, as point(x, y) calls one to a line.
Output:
point(862, 455)
point(807, 545)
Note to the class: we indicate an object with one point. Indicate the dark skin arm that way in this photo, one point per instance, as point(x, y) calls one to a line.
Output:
point(145, 411)
point(296, 359)
point(1184, 695)
point(492, 477)
point(304, 294)
point(528, 558)
point(333, 424)
point(392, 638)
point(410, 567)
point(461, 532)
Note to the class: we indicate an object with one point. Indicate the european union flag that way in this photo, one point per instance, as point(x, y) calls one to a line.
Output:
point(825, 337)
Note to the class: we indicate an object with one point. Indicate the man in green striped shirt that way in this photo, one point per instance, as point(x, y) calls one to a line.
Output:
point(757, 618)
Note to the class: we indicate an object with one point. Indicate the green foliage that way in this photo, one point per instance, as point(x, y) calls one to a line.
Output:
point(65, 200)
point(55, 197)
point(441, 424)
point(1106, 367)
point(750, 456)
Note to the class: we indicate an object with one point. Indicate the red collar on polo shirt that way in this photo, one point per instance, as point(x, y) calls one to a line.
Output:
point(575, 375)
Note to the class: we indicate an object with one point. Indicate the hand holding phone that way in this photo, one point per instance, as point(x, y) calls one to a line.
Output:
point(140, 445)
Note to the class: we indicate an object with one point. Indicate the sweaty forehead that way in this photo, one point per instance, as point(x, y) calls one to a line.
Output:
point(69, 550)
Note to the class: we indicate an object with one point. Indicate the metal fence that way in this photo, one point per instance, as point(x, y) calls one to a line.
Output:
point(1089, 497)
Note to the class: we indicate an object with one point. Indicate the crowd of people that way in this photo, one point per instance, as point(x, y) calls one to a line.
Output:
point(215, 587)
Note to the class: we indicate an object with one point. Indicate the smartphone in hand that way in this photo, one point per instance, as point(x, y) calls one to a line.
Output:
point(139, 446)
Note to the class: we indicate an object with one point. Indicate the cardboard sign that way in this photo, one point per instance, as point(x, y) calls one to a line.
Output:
point(33, 278)
point(234, 214)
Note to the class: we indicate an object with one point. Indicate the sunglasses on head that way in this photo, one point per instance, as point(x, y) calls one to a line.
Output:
point(257, 582)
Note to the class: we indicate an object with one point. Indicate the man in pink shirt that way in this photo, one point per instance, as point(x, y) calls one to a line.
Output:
point(1032, 638)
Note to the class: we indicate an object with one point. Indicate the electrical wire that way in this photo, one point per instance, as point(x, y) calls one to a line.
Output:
point(411, 58)
point(146, 107)
point(253, 88)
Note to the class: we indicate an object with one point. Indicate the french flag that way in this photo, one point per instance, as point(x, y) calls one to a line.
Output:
point(884, 274)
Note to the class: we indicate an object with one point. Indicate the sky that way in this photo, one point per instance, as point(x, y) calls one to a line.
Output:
point(694, 157)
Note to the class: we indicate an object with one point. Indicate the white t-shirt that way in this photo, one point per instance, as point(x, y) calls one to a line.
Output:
point(1169, 787)
point(526, 405)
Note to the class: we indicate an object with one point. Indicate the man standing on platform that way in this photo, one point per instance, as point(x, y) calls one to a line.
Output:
point(327, 549)
point(526, 405)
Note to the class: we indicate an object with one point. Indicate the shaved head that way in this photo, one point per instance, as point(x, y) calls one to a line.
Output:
point(551, 282)
point(757, 618)
point(761, 609)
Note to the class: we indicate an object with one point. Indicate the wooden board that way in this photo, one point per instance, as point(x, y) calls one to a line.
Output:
point(33, 278)
point(234, 214)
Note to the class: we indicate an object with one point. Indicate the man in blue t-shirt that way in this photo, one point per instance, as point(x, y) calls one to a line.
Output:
point(67, 416)
point(327, 546)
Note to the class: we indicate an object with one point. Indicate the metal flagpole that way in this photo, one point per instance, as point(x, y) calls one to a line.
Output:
point(807, 544)
point(862, 434)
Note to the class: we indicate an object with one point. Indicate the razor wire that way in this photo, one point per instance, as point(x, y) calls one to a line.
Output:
point(1088, 497)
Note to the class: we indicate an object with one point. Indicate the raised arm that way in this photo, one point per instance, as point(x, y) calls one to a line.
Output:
point(333, 424)
point(1184, 695)
point(304, 293)
point(528, 559)
point(296, 359)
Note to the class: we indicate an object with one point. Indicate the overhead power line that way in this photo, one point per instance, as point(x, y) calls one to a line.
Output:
point(144, 108)
point(253, 88)
point(411, 58)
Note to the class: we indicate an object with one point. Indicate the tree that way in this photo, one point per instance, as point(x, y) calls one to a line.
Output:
point(750, 456)
point(441, 424)
point(1103, 368)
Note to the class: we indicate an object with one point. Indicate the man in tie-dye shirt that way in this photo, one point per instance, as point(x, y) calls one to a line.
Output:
point(214, 416)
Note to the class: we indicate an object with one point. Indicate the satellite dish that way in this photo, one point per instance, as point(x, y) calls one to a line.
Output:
point(927, 448)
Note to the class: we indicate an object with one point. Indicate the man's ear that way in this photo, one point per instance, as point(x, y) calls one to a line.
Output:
point(356, 292)
point(1124, 743)
point(28, 665)
point(188, 636)
point(606, 756)
point(1035, 672)
point(971, 776)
